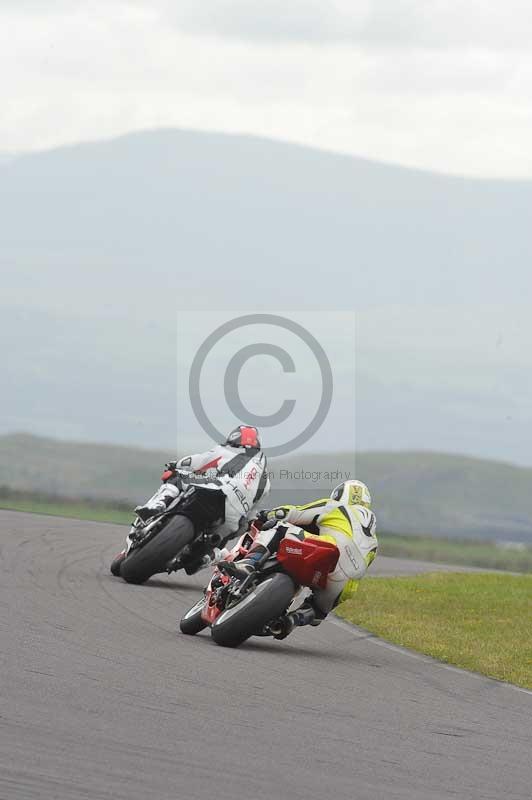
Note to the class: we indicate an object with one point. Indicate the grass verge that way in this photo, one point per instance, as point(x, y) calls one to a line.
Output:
point(481, 622)
point(517, 558)
point(60, 507)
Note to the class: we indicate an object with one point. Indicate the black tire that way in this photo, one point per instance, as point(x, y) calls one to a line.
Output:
point(141, 564)
point(116, 563)
point(192, 622)
point(265, 603)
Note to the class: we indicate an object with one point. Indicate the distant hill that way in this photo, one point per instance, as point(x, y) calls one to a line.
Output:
point(423, 493)
point(184, 211)
point(435, 493)
point(104, 243)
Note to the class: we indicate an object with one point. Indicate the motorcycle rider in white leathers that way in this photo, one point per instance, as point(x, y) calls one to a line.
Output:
point(346, 520)
point(230, 479)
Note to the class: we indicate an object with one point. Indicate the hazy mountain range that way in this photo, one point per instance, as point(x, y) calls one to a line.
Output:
point(423, 493)
point(103, 244)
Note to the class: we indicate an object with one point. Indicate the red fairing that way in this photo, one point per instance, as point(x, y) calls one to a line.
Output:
point(167, 474)
point(309, 561)
point(211, 611)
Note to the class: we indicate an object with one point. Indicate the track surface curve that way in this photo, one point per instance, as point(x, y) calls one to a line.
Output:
point(100, 697)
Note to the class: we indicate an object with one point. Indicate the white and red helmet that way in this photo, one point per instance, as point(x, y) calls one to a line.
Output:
point(244, 436)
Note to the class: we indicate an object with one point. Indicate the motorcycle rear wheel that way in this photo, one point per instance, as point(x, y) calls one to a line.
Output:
point(265, 603)
point(141, 564)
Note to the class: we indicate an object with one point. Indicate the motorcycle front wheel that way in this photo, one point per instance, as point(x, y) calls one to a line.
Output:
point(268, 600)
point(116, 563)
point(192, 622)
point(146, 561)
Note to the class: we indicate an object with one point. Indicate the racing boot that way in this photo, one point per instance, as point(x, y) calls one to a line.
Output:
point(246, 566)
point(207, 560)
point(158, 503)
point(308, 614)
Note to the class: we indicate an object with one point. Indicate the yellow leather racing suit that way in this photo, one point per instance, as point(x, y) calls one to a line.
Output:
point(352, 528)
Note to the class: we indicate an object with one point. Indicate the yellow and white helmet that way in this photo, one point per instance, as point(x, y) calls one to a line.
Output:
point(352, 493)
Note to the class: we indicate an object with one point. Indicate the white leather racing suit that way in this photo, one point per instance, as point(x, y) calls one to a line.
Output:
point(240, 473)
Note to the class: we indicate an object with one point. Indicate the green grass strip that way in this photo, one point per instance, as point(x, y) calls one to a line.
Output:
point(517, 558)
point(481, 622)
point(74, 510)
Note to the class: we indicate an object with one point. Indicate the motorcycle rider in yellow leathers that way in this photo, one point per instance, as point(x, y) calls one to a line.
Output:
point(346, 520)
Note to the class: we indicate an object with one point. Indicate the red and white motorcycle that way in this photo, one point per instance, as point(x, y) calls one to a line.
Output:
point(237, 607)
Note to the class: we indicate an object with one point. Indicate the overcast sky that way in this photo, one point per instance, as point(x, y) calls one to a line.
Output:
point(439, 84)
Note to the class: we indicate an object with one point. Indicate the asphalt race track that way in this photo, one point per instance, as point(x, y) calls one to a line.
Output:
point(100, 697)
